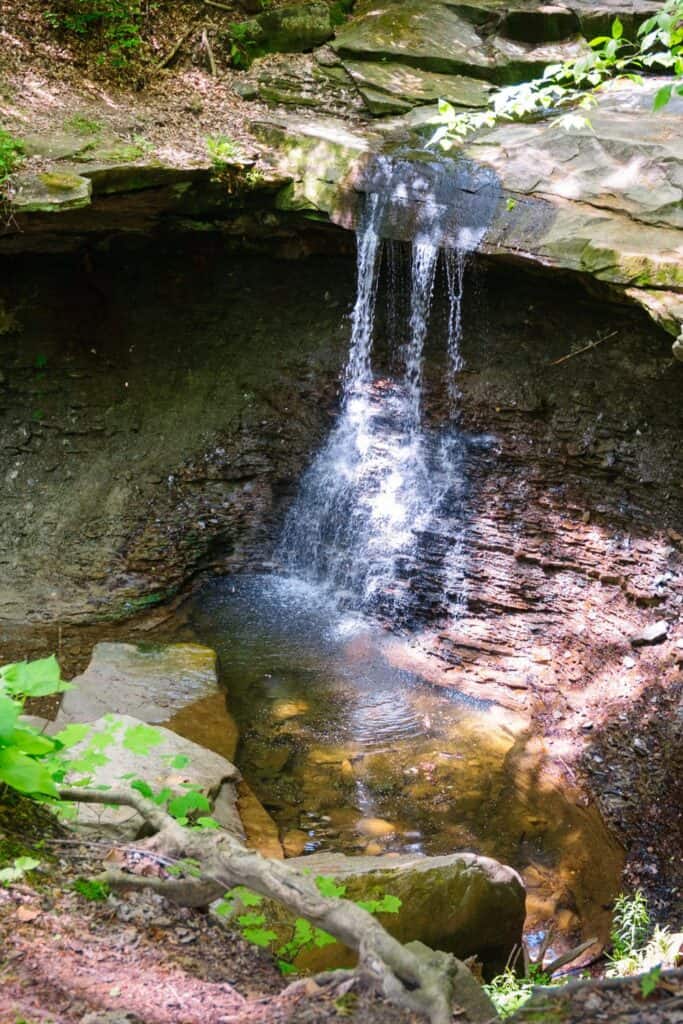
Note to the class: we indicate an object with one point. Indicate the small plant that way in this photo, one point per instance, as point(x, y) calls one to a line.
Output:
point(10, 153)
point(508, 991)
point(630, 923)
point(20, 866)
point(91, 890)
point(244, 42)
point(27, 758)
point(637, 947)
point(82, 125)
point(223, 151)
point(254, 926)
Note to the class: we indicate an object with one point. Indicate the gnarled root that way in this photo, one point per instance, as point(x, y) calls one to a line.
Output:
point(410, 975)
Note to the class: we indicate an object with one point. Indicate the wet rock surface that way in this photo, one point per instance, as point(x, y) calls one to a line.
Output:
point(150, 682)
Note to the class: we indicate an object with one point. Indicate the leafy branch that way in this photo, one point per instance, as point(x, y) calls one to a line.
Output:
point(573, 83)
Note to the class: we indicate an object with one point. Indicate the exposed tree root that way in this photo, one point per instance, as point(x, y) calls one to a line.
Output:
point(412, 975)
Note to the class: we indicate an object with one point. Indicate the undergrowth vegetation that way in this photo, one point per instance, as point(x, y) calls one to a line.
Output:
point(244, 907)
point(638, 948)
point(116, 24)
point(10, 154)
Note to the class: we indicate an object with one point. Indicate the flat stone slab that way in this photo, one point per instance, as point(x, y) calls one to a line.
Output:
point(150, 682)
point(130, 754)
point(435, 37)
point(51, 192)
point(392, 87)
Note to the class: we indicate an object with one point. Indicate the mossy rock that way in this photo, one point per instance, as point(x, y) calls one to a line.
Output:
point(295, 28)
point(462, 903)
point(51, 192)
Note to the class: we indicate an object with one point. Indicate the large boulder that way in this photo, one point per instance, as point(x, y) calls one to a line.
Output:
point(119, 749)
point(149, 681)
point(462, 903)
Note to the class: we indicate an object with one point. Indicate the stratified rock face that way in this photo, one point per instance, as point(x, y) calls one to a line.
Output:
point(131, 755)
point(154, 411)
point(603, 200)
point(150, 682)
point(437, 37)
point(461, 903)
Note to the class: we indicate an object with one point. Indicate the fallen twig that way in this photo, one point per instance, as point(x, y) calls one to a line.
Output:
point(586, 348)
point(222, 7)
point(207, 46)
point(165, 61)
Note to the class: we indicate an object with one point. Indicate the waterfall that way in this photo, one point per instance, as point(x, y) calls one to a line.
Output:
point(378, 518)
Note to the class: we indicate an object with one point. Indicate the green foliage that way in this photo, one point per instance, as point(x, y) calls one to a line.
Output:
point(82, 125)
point(304, 935)
point(223, 151)
point(114, 23)
point(637, 947)
point(10, 152)
point(244, 43)
point(572, 83)
point(650, 981)
point(28, 761)
point(508, 991)
point(91, 890)
point(20, 866)
point(630, 923)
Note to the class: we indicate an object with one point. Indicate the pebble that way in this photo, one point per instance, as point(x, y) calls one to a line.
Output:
point(640, 747)
point(655, 633)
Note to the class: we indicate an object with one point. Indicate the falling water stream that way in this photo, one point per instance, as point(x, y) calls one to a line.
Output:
point(346, 750)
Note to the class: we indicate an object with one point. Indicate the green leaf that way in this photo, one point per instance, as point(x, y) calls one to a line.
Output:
point(286, 968)
point(22, 773)
point(251, 920)
point(34, 678)
point(649, 981)
point(141, 738)
point(72, 734)
point(208, 823)
point(246, 897)
point(303, 932)
point(31, 742)
point(26, 863)
point(193, 801)
point(20, 866)
point(328, 887)
point(9, 713)
point(259, 936)
point(617, 29)
point(662, 97)
point(179, 761)
point(322, 938)
point(143, 788)
point(389, 905)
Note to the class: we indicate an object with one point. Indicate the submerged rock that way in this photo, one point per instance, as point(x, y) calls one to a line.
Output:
point(460, 903)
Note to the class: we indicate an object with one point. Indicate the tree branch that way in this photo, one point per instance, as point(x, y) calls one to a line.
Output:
point(410, 975)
